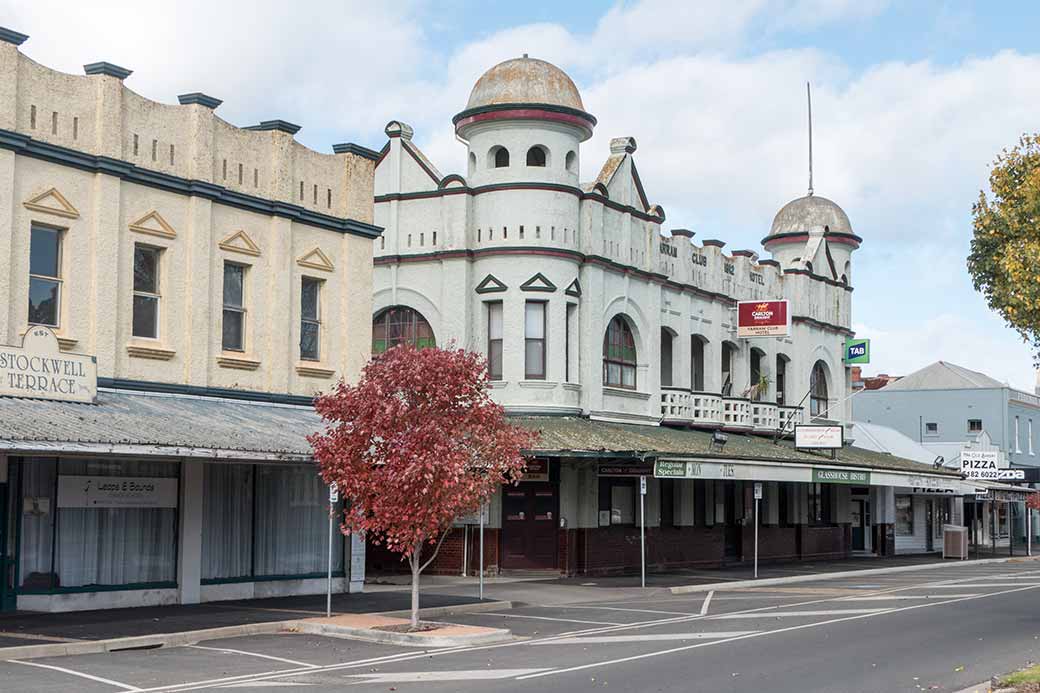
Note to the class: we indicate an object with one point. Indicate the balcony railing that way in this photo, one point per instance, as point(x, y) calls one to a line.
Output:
point(680, 406)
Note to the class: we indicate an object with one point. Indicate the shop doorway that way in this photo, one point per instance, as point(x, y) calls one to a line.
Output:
point(529, 519)
point(7, 563)
point(734, 528)
point(859, 525)
point(929, 522)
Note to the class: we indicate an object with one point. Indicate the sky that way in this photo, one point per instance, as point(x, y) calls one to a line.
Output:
point(912, 102)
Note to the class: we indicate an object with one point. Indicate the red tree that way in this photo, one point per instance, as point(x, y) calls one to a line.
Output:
point(414, 444)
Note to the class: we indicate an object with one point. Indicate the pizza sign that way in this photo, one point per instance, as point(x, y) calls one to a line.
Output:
point(763, 319)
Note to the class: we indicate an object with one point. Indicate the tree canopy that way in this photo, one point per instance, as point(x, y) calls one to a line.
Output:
point(1004, 261)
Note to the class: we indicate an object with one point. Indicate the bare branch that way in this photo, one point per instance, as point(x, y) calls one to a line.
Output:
point(443, 537)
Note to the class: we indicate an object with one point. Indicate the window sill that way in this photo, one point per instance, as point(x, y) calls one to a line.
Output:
point(573, 387)
point(538, 384)
point(67, 343)
point(314, 371)
point(142, 351)
point(622, 392)
point(498, 384)
point(238, 362)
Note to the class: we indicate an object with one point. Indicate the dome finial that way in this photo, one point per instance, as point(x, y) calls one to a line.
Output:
point(808, 95)
point(525, 55)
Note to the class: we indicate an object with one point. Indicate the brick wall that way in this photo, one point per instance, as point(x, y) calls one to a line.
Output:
point(825, 542)
point(449, 559)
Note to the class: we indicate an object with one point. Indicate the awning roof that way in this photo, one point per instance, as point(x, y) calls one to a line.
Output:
point(577, 437)
point(146, 423)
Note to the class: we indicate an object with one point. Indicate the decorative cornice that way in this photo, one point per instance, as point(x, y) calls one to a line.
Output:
point(355, 149)
point(27, 146)
point(499, 187)
point(197, 97)
point(830, 327)
point(713, 243)
point(684, 233)
point(197, 391)
point(508, 108)
point(67, 343)
point(240, 242)
point(148, 223)
point(770, 263)
point(818, 277)
point(490, 285)
point(238, 362)
point(277, 125)
point(800, 237)
point(64, 208)
point(11, 36)
point(315, 372)
point(744, 253)
point(573, 289)
point(539, 282)
point(103, 68)
point(316, 259)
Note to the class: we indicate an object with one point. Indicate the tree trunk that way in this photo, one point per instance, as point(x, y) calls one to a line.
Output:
point(414, 559)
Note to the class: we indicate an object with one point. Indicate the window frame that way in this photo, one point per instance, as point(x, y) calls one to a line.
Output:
point(140, 293)
point(57, 281)
point(909, 500)
point(972, 428)
point(240, 309)
point(528, 373)
point(818, 505)
point(492, 342)
point(314, 321)
point(607, 484)
point(623, 364)
point(417, 323)
point(931, 428)
point(542, 151)
point(819, 397)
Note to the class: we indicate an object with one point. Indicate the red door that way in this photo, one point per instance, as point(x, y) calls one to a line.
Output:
point(529, 520)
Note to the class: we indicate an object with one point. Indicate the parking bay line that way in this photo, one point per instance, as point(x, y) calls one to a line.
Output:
point(254, 654)
point(794, 614)
point(649, 637)
point(80, 674)
point(763, 633)
point(884, 598)
point(549, 618)
point(617, 608)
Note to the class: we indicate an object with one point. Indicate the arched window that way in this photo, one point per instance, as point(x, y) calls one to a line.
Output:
point(697, 362)
point(781, 379)
point(619, 355)
point(536, 156)
point(400, 325)
point(818, 391)
point(667, 340)
point(571, 162)
point(759, 378)
point(728, 351)
point(472, 163)
point(499, 157)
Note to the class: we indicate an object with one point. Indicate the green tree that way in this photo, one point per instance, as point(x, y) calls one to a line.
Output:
point(1004, 261)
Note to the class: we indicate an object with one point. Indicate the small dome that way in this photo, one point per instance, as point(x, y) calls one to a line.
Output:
point(525, 80)
point(798, 216)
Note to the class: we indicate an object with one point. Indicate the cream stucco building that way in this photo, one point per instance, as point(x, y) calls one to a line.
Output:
point(220, 276)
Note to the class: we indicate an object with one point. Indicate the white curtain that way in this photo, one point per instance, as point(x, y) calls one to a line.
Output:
point(37, 479)
point(116, 546)
point(227, 524)
point(292, 522)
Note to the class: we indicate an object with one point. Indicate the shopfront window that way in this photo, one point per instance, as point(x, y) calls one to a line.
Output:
point(819, 504)
point(97, 523)
point(904, 516)
point(617, 501)
point(265, 521)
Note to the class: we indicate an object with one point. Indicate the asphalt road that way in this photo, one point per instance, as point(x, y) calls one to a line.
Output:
point(938, 630)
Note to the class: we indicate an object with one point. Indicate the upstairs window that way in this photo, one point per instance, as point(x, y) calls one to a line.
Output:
point(536, 156)
point(931, 428)
point(534, 340)
point(494, 345)
point(619, 355)
point(44, 276)
point(146, 292)
point(499, 157)
point(233, 328)
point(401, 325)
point(310, 319)
point(974, 425)
point(818, 398)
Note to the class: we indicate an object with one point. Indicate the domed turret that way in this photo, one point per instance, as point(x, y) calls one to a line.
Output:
point(811, 211)
point(803, 227)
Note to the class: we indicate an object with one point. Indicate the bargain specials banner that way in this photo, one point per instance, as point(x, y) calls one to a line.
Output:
point(763, 319)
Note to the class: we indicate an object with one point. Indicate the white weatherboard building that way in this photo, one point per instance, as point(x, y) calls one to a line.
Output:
point(610, 330)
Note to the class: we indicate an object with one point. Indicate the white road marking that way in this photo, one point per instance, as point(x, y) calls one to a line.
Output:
point(651, 637)
point(761, 634)
point(549, 618)
point(617, 608)
point(796, 614)
point(70, 672)
point(461, 675)
point(267, 684)
point(253, 654)
point(884, 598)
point(34, 636)
point(984, 584)
point(707, 603)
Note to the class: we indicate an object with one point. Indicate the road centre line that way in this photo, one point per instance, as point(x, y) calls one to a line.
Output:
point(405, 656)
point(80, 674)
point(795, 614)
point(253, 654)
point(549, 618)
point(674, 650)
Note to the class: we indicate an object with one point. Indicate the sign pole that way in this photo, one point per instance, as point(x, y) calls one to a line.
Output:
point(758, 497)
point(480, 592)
point(642, 531)
point(333, 498)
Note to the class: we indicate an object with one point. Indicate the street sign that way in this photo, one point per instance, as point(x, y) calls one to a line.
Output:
point(857, 351)
point(333, 493)
point(763, 319)
point(642, 485)
point(758, 490)
point(980, 464)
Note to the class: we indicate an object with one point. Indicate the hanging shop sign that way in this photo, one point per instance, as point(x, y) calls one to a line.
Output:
point(39, 369)
point(537, 470)
point(857, 351)
point(981, 464)
point(818, 437)
point(116, 492)
point(840, 476)
point(632, 469)
point(763, 319)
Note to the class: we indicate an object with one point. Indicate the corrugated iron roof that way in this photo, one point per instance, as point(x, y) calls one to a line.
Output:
point(122, 419)
point(563, 435)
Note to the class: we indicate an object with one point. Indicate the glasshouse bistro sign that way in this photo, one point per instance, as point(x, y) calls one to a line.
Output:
point(39, 370)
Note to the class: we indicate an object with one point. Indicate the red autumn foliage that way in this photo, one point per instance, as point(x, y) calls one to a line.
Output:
point(414, 444)
point(1033, 501)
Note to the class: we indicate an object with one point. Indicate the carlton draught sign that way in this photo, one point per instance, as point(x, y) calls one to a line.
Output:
point(763, 319)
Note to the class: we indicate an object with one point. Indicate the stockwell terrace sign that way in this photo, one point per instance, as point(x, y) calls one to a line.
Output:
point(38, 369)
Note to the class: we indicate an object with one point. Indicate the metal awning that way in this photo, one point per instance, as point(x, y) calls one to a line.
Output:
point(148, 424)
